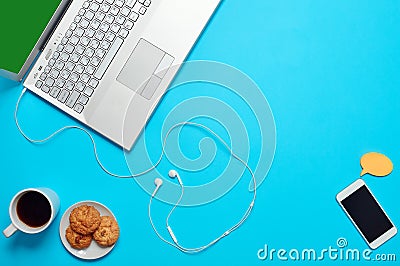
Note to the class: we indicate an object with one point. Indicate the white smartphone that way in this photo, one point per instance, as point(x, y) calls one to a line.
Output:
point(366, 214)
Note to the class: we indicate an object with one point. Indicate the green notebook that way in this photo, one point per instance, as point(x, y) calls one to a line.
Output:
point(21, 24)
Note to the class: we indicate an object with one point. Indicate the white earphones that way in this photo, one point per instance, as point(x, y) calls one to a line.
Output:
point(174, 174)
point(158, 181)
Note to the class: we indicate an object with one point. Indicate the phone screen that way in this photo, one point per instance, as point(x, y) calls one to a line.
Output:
point(367, 214)
point(21, 24)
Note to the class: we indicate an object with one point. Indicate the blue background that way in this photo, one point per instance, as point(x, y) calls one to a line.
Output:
point(330, 71)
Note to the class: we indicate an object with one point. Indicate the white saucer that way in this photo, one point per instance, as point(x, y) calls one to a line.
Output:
point(94, 251)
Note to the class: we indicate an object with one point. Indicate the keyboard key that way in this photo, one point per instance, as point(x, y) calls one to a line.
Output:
point(85, 78)
point(120, 19)
point(52, 62)
point(63, 96)
point(109, 57)
point(70, 66)
point(94, 7)
point(74, 77)
point(93, 83)
point(79, 32)
point(73, 26)
point(79, 69)
point(115, 28)
point(123, 33)
point(72, 99)
point(69, 48)
point(114, 10)
point(109, 19)
point(95, 24)
point(64, 57)
point(43, 76)
point(68, 33)
point(110, 1)
point(90, 32)
point(54, 92)
point(74, 40)
point(104, 26)
point(82, 12)
point(100, 16)
point(86, 4)
point(89, 15)
point(90, 69)
point(60, 82)
point(84, 23)
point(47, 69)
point(78, 108)
point(80, 86)
point(119, 3)
point(147, 3)
point(80, 49)
point(85, 60)
point(75, 57)
point(105, 45)
point(100, 53)
point(142, 10)
point(128, 25)
point(56, 55)
point(54, 73)
point(105, 8)
point(65, 74)
point(94, 44)
point(69, 85)
point(45, 89)
point(85, 41)
point(39, 84)
point(59, 64)
point(95, 61)
point(100, 35)
point(110, 36)
point(83, 99)
point(130, 3)
point(77, 19)
point(89, 52)
point(125, 11)
point(88, 91)
point(50, 82)
point(134, 16)
point(60, 47)
point(137, 7)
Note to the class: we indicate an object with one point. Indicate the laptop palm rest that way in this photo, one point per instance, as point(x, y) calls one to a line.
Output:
point(145, 69)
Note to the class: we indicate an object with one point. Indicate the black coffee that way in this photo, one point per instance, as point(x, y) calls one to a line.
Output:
point(33, 209)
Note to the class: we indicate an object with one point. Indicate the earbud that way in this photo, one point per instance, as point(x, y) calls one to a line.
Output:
point(174, 174)
point(158, 182)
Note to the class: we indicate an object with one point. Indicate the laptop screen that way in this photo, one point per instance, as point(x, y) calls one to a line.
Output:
point(21, 24)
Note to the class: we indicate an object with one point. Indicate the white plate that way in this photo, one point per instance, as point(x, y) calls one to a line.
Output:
point(94, 251)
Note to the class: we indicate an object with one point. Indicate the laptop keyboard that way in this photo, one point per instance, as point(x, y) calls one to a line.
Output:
point(88, 48)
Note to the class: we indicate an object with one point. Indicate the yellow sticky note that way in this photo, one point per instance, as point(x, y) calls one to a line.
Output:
point(376, 164)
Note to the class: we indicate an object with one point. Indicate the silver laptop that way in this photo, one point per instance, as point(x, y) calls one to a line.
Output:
point(96, 58)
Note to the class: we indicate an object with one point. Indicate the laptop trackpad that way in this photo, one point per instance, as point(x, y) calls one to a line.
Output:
point(145, 69)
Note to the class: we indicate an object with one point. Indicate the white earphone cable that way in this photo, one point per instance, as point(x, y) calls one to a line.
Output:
point(175, 244)
point(226, 233)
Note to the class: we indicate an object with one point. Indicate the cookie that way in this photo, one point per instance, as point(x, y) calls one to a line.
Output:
point(108, 232)
point(84, 219)
point(76, 240)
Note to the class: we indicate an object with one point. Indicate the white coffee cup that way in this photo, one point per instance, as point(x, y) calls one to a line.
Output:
point(32, 210)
